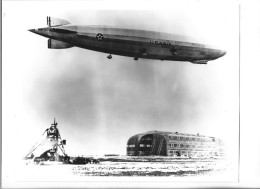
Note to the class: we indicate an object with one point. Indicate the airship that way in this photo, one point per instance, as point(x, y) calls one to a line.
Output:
point(127, 42)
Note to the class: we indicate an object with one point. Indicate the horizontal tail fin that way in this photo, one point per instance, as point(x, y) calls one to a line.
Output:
point(56, 21)
point(55, 44)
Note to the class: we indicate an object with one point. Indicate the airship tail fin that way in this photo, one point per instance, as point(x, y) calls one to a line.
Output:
point(56, 21)
point(55, 44)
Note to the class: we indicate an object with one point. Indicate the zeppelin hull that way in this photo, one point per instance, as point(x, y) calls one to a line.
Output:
point(131, 43)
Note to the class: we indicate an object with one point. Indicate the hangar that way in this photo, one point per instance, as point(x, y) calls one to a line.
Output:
point(173, 144)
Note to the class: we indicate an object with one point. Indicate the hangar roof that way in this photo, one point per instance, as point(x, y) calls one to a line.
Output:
point(172, 133)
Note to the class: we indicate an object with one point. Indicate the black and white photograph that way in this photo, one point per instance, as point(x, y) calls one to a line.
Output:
point(109, 94)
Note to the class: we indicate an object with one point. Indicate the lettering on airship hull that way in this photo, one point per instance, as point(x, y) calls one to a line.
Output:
point(163, 43)
point(166, 43)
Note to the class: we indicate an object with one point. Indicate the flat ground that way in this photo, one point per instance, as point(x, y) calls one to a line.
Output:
point(122, 167)
point(154, 166)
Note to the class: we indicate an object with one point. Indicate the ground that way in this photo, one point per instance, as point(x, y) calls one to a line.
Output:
point(122, 167)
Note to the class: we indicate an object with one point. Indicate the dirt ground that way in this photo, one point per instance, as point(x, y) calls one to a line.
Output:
point(126, 168)
point(154, 166)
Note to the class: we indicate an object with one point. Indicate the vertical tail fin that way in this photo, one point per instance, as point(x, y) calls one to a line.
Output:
point(56, 21)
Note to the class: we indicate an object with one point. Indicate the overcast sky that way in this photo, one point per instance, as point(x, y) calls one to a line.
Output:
point(100, 103)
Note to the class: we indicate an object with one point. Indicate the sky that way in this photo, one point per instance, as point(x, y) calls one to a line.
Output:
point(100, 103)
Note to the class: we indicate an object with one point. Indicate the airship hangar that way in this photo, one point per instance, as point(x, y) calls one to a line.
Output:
point(160, 143)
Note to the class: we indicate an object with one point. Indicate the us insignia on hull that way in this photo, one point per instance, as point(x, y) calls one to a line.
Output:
point(99, 37)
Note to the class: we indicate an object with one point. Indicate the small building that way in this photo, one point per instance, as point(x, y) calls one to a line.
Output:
point(173, 144)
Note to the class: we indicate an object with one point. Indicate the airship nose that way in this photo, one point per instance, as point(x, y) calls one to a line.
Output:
point(222, 53)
